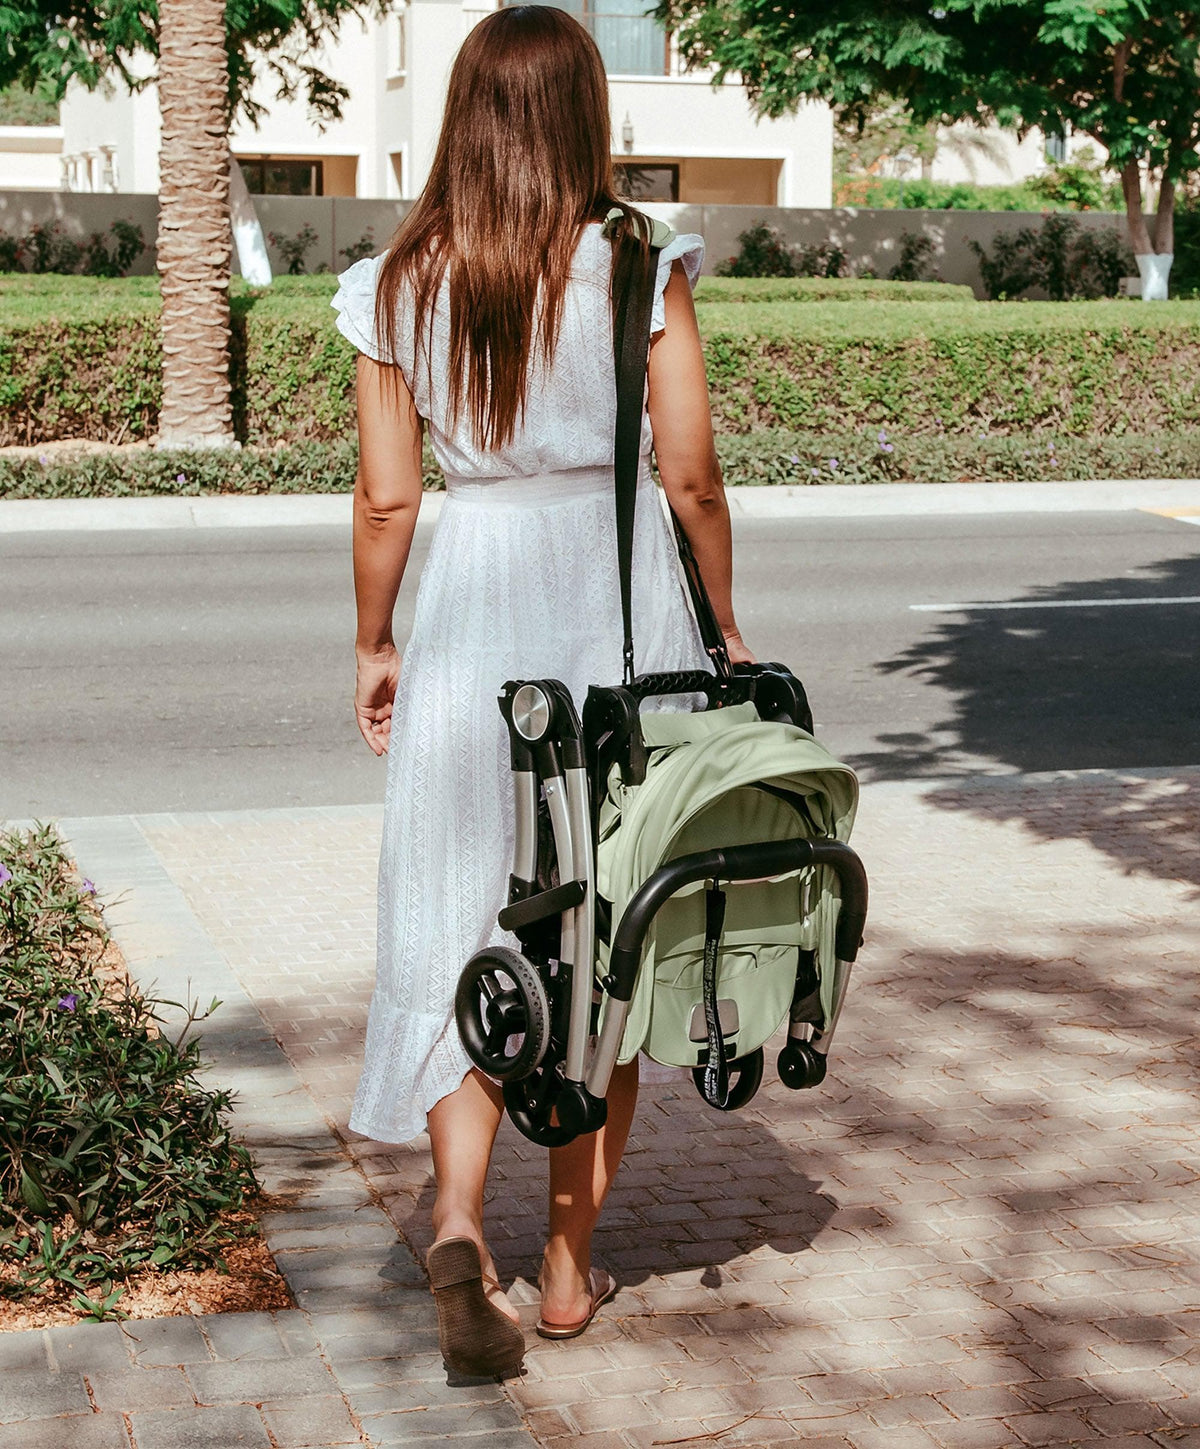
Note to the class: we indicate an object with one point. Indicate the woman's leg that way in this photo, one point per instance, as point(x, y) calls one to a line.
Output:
point(462, 1129)
point(581, 1174)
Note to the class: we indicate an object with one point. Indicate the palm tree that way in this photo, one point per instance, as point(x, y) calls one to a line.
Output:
point(194, 240)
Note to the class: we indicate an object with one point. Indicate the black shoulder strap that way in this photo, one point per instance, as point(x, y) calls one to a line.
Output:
point(631, 347)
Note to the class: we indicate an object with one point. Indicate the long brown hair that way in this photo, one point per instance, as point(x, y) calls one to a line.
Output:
point(522, 165)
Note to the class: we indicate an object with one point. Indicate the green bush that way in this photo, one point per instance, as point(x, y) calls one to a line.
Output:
point(144, 472)
point(112, 1155)
point(1104, 367)
point(1060, 258)
point(762, 252)
point(46, 247)
point(770, 456)
point(890, 193)
point(1185, 270)
point(881, 456)
point(826, 289)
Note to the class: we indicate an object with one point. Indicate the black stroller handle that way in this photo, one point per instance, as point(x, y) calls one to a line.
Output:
point(736, 863)
point(729, 690)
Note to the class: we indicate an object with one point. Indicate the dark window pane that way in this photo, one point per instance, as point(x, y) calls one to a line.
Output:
point(646, 183)
point(270, 177)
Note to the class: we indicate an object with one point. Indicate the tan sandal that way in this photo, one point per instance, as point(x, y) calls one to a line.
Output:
point(603, 1287)
point(475, 1337)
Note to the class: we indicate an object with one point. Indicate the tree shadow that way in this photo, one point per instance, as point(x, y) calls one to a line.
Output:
point(1097, 688)
point(983, 1197)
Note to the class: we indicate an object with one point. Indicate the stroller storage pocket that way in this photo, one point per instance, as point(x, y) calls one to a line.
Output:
point(754, 991)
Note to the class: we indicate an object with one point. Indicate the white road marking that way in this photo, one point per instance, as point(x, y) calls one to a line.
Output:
point(1053, 604)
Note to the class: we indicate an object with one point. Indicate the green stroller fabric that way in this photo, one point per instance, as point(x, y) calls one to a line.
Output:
point(721, 778)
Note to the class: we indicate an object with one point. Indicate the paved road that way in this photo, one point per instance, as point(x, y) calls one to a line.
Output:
point(192, 669)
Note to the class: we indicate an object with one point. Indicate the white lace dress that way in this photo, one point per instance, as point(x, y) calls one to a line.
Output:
point(520, 582)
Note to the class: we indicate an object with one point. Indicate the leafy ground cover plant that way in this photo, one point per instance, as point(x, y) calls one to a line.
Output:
point(880, 453)
point(113, 1157)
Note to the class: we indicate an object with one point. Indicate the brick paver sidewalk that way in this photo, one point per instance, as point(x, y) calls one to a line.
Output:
point(981, 1231)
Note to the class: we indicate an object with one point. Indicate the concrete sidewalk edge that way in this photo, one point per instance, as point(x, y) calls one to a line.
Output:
point(355, 1281)
point(833, 500)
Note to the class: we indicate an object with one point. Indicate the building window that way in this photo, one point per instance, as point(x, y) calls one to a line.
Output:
point(630, 41)
point(282, 176)
point(1056, 148)
point(658, 181)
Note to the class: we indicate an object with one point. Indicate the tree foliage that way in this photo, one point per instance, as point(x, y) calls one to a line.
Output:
point(1125, 72)
point(47, 44)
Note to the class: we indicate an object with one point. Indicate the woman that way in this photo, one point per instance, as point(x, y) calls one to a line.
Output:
point(489, 320)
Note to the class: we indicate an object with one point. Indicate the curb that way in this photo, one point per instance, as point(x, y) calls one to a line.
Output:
point(357, 1285)
point(830, 500)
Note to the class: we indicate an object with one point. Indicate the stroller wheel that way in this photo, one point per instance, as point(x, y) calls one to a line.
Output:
point(801, 1066)
point(745, 1078)
point(503, 1013)
point(530, 1103)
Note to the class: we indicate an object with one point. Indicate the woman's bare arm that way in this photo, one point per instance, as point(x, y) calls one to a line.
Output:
point(687, 457)
point(387, 496)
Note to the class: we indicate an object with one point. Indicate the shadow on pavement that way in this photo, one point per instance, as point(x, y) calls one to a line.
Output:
point(1060, 689)
point(1071, 689)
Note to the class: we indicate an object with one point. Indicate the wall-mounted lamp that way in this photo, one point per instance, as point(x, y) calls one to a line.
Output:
point(627, 133)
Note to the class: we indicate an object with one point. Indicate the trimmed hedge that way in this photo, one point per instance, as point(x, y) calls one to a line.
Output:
point(827, 289)
point(1070, 369)
point(755, 459)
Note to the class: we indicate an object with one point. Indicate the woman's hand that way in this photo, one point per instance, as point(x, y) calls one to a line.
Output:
point(738, 653)
point(375, 693)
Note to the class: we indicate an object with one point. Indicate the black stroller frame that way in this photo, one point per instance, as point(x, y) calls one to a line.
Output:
point(532, 1019)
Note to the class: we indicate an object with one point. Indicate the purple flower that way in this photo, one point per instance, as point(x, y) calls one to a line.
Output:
point(889, 448)
point(816, 472)
point(88, 888)
point(181, 477)
point(43, 460)
point(882, 436)
point(68, 1002)
point(795, 458)
point(833, 463)
point(1052, 447)
point(5, 875)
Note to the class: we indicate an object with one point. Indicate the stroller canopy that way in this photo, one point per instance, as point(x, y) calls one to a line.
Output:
point(724, 777)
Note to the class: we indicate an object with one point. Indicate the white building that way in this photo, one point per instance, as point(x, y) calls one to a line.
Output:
point(682, 139)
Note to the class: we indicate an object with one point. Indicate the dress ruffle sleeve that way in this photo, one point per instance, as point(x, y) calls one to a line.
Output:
point(688, 249)
point(354, 302)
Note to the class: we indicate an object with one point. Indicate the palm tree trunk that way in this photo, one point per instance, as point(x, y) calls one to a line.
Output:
point(194, 241)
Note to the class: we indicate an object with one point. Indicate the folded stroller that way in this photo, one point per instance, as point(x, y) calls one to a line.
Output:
point(681, 880)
